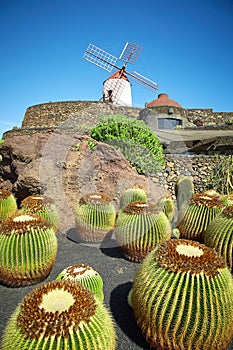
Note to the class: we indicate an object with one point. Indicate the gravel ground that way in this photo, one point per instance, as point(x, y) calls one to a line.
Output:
point(116, 272)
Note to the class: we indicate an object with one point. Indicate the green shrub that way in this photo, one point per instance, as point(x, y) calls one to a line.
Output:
point(134, 139)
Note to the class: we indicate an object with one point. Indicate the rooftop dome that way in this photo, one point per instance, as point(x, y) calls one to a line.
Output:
point(163, 100)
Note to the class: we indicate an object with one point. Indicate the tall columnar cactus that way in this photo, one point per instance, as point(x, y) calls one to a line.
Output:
point(28, 248)
point(8, 205)
point(167, 205)
point(201, 210)
point(184, 189)
point(43, 206)
point(139, 228)
point(182, 297)
point(132, 194)
point(95, 216)
point(85, 275)
point(61, 315)
point(219, 235)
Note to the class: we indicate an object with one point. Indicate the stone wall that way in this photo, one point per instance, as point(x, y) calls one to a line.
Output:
point(206, 117)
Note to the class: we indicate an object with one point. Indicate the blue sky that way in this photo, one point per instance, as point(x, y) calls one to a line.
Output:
point(187, 50)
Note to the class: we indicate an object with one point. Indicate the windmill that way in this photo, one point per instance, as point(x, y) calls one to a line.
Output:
point(117, 88)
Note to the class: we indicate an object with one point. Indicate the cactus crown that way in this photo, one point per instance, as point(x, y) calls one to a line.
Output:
point(182, 255)
point(5, 194)
point(21, 223)
point(95, 198)
point(206, 200)
point(228, 211)
point(36, 203)
point(55, 307)
point(141, 208)
point(80, 270)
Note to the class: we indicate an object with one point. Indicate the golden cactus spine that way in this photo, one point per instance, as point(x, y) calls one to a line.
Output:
point(139, 228)
point(182, 297)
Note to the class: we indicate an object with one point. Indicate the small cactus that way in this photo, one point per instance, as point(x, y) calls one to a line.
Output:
point(139, 228)
point(8, 205)
point(167, 205)
point(184, 189)
point(28, 248)
point(182, 297)
point(219, 235)
point(201, 210)
point(43, 206)
point(60, 315)
point(132, 194)
point(85, 275)
point(95, 216)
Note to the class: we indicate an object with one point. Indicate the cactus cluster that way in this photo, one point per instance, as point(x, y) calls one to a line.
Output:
point(85, 275)
point(8, 204)
point(43, 206)
point(182, 297)
point(60, 315)
point(28, 248)
point(139, 228)
point(95, 216)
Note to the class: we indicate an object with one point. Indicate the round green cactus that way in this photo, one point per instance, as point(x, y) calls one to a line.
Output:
point(219, 235)
point(182, 297)
point(8, 205)
point(28, 248)
point(203, 208)
point(94, 216)
point(85, 275)
point(139, 228)
point(43, 206)
point(132, 194)
point(167, 205)
point(61, 315)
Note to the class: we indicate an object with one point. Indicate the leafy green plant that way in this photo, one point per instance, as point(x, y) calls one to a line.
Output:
point(221, 176)
point(134, 139)
point(76, 147)
point(91, 144)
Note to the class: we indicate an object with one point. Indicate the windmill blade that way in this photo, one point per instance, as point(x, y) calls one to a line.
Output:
point(149, 84)
point(100, 58)
point(130, 53)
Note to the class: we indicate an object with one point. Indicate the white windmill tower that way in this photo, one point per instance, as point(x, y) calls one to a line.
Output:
point(117, 88)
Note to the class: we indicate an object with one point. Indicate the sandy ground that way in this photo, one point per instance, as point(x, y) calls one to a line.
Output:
point(116, 272)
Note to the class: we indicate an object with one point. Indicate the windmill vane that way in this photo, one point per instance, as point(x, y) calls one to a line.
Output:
point(117, 88)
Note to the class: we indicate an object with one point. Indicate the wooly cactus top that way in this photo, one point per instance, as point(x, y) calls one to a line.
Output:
point(60, 315)
point(95, 198)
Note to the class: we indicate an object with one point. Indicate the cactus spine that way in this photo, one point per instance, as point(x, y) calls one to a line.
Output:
point(202, 209)
point(177, 292)
point(8, 205)
point(95, 216)
point(139, 228)
point(219, 235)
point(85, 275)
point(60, 315)
point(28, 248)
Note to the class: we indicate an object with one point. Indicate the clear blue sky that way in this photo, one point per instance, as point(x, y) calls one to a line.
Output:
point(187, 50)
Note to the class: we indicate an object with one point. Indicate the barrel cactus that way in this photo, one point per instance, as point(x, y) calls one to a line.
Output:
point(60, 315)
point(8, 204)
point(219, 235)
point(139, 228)
point(182, 297)
point(43, 206)
point(202, 209)
point(28, 248)
point(132, 194)
point(95, 216)
point(168, 206)
point(85, 275)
